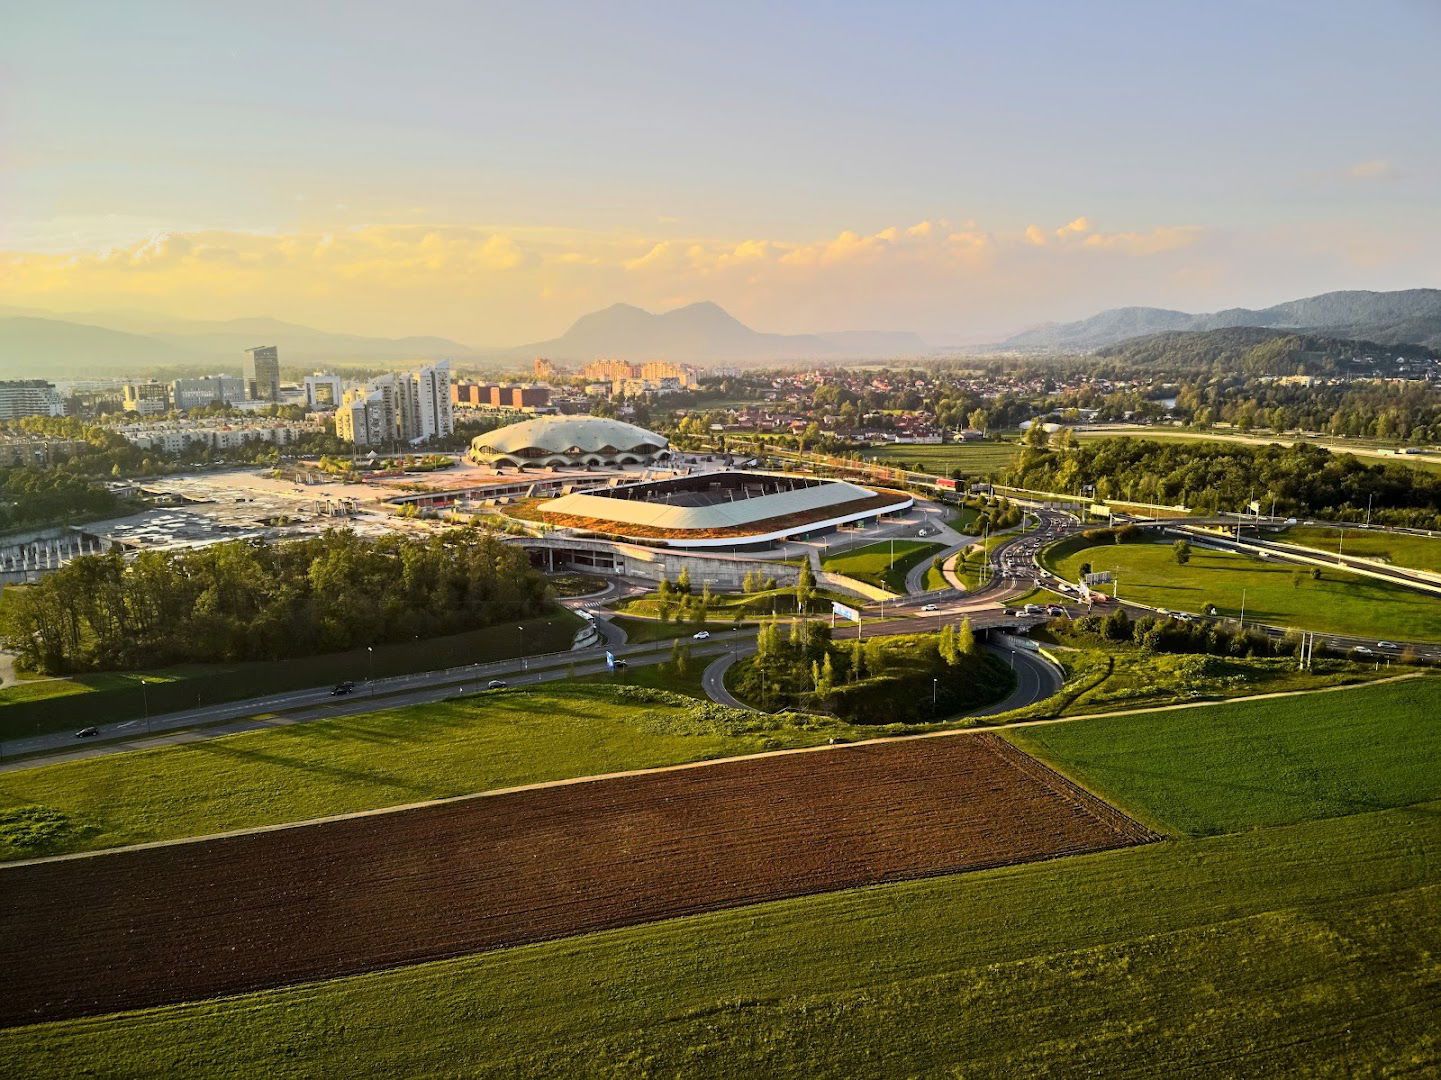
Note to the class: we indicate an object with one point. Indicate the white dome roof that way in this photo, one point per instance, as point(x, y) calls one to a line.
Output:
point(568, 435)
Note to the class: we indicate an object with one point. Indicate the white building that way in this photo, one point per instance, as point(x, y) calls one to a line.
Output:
point(425, 406)
point(322, 390)
point(173, 438)
point(29, 397)
point(410, 408)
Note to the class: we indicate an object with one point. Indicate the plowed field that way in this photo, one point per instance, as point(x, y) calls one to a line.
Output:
point(185, 921)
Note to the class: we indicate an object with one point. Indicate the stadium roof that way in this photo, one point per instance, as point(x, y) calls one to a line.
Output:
point(568, 434)
point(816, 495)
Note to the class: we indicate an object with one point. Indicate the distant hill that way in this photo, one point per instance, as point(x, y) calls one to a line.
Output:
point(1405, 316)
point(705, 332)
point(1256, 350)
point(32, 347)
point(50, 348)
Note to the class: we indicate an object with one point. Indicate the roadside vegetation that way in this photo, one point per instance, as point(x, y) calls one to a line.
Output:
point(1273, 592)
point(912, 678)
point(883, 564)
point(41, 706)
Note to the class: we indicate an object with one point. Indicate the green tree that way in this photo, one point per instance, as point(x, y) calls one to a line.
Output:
point(1181, 552)
point(966, 639)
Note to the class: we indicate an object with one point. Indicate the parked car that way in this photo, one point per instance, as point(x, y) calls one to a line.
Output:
point(342, 688)
point(701, 635)
point(87, 732)
point(496, 684)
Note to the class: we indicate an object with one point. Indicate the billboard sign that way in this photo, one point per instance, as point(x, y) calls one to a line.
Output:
point(837, 608)
point(1100, 510)
point(1103, 577)
point(610, 660)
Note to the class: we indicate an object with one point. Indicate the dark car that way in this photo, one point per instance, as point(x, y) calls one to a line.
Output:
point(495, 684)
point(87, 732)
point(620, 664)
point(342, 688)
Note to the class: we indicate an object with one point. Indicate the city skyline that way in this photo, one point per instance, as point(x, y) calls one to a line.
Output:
point(958, 172)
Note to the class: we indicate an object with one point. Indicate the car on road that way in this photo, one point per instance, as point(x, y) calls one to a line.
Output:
point(342, 688)
point(1010, 611)
point(1033, 609)
point(1363, 650)
point(1055, 610)
point(496, 684)
point(930, 607)
point(87, 733)
point(1387, 645)
point(618, 664)
point(701, 635)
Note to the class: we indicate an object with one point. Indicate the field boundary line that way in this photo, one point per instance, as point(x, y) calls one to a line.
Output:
point(979, 729)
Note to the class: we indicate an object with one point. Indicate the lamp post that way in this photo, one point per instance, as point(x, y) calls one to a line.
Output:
point(1243, 609)
point(145, 697)
point(524, 662)
point(934, 684)
point(370, 665)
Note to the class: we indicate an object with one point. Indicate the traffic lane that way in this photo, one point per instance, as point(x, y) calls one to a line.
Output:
point(73, 751)
point(365, 698)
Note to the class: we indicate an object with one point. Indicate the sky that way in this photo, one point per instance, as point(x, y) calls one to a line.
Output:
point(491, 172)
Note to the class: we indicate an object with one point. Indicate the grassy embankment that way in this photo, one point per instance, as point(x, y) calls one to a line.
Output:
point(1399, 549)
point(46, 705)
point(884, 563)
point(1339, 603)
point(977, 460)
point(1305, 947)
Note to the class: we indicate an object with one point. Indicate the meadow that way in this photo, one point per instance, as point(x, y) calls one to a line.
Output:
point(396, 756)
point(977, 460)
point(1339, 603)
point(1400, 549)
point(1238, 766)
point(884, 563)
point(1266, 951)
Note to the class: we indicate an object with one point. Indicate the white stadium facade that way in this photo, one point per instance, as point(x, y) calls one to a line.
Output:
point(568, 442)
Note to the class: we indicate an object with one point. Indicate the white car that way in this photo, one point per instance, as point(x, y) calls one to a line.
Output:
point(1362, 650)
point(930, 607)
point(1387, 645)
point(701, 635)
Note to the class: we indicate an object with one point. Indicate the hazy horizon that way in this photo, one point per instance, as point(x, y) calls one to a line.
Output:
point(491, 176)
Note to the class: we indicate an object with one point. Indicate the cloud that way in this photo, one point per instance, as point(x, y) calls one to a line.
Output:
point(1380, 169)
point(1078, 227)
point(1036, 235)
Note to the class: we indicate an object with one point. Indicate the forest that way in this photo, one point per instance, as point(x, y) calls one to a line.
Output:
point(248, 600)
point(1224, 476)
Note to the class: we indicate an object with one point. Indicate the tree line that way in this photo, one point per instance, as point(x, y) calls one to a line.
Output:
point(1217, 476)
point(253, 600)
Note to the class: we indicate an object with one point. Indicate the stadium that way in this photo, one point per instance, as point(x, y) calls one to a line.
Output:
point(569, 442)
point(736, 511)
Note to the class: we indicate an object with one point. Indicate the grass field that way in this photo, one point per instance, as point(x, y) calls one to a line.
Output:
point(1280, 952)
point(1366, 450)
point(1261, 763)
point(1339, 603)
point(1401, 549)
point(36, 707)
point(976, 460)
point(872, 563)
point(387, 758)
point(640, 631)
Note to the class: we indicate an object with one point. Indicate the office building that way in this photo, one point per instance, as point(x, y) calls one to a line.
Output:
point(322, 390)
point(147, 399)
point(410, 408)
point(544, 369)
point(425, 406)
point(262, 373)
point(207, 390)
point(519, 397)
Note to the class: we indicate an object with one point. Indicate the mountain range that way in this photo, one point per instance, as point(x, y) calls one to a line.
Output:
point(108, 344)
point(1406, 316)
point(705, 332)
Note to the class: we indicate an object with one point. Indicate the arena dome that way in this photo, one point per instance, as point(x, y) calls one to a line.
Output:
point(569, 441)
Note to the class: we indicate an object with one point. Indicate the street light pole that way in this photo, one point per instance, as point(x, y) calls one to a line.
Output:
point(524, 661)
point(1243, 609)
point(145, 697)
point(934, 684)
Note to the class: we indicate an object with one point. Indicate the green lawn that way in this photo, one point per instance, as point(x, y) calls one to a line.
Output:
point(388, 758)
point(1303, 950)
point(1339, 603)
point(1230, 767)
point(1418, 552)
point(640, 631)
point(873, 563)
point(32, 708)
point(977, 460)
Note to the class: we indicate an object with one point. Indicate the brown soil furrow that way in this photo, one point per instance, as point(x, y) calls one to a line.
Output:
point(179, 922)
